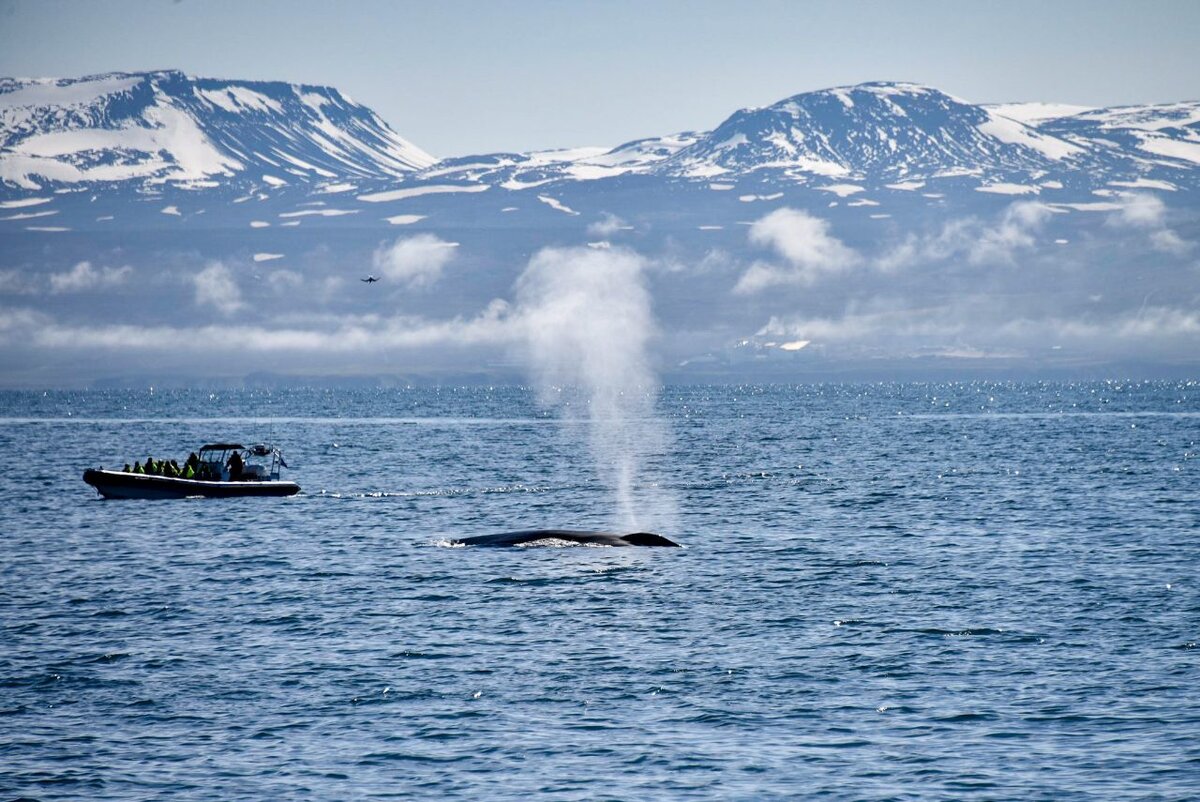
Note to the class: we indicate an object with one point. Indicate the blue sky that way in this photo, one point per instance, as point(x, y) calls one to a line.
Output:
point(468, 77)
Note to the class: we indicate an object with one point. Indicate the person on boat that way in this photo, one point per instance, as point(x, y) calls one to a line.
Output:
point(137, 467)
point(127, 469)
point(176, 471)
point(235, 467)
point(151, 466)
point(188, 471)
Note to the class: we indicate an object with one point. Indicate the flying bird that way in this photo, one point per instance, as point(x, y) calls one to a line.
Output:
point(369, 279)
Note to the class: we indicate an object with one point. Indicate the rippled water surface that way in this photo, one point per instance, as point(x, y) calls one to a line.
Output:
point(980, 591)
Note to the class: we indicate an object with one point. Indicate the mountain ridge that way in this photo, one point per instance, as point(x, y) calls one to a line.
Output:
point(167, 126)
point(161, 149)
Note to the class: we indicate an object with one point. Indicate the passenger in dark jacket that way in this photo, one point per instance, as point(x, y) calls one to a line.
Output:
point(235, 467)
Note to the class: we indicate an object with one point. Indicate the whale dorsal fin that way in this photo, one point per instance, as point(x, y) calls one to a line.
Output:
point(647, 539)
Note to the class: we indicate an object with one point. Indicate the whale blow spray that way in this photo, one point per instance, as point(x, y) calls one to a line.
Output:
point(586, 322)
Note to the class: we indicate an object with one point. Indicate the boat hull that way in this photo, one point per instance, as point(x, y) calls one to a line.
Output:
point(118, 484)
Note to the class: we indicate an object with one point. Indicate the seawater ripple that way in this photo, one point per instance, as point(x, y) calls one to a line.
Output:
point(913, 591)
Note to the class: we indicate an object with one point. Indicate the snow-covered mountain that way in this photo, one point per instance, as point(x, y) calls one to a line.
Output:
point(167, 126)
point(163, 129)
point(1166, 135)
point(164, 149)
point(882, 130)
point(875, 131)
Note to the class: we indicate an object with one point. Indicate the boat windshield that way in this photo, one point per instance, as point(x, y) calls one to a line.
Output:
point(259, 461)
point(217, 453)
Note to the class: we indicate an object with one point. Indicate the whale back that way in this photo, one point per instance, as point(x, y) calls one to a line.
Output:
point(591, 538)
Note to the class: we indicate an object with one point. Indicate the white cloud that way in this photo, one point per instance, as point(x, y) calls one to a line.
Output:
point(1168, 241)
point(1014, 232)
point(804, 242)
point(973, 240)
point(1148, 213)
point(215, 286)
point(17, 323)
point(973, 326)
point(1140, 210)
point(415, 261)
point(16, 282)
point(329, 288)
point(284, 279)
point(607, 225)
point(714, 260)
point(356, 335)
point(571, 301)
point(878, 322)
point(85, 277)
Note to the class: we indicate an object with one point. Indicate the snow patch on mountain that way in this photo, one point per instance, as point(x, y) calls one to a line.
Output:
point(413, 192)
point(23, 202)
point(556, 204)
point(1015, 133)
point(1004, 188)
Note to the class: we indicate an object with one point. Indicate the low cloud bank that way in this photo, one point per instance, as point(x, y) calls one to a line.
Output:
point(1007, 283)
point(810, 252)
point(976, 325)
point(85, 277)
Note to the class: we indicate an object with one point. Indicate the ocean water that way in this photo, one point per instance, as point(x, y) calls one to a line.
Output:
point(896, 591)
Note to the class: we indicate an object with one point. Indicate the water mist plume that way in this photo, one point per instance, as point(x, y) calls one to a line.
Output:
point(586, 323)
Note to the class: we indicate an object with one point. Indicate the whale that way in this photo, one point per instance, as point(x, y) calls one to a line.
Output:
point(527, 536)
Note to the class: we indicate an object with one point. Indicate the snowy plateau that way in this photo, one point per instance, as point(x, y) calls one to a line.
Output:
point(856, 232)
